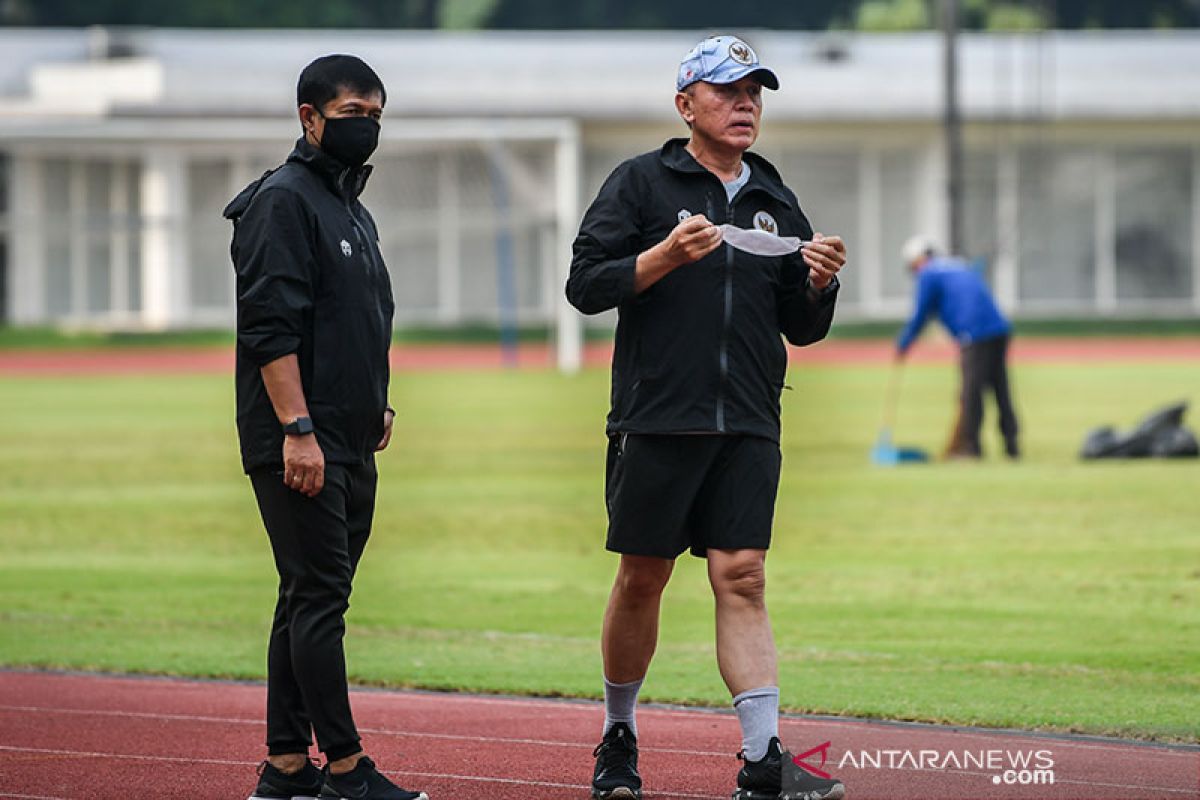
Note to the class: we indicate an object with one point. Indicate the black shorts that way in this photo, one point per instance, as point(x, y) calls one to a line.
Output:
point(666, 493)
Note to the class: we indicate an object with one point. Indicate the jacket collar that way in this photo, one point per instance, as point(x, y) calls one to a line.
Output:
point(346, 182)
point(763, 176)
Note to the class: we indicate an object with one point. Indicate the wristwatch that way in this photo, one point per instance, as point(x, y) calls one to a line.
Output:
point(300, 426)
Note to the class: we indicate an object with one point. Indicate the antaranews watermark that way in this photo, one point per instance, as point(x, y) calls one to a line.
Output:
point(1008, 767)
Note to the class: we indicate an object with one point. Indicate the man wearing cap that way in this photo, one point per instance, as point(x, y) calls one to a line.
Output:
point(707, 257)
point(954, 291)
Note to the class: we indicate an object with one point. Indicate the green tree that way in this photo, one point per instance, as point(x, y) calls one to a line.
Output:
point(893, 15)
point(223, 13)
point(1126, 13)
point(1007, 15)
point(667, 14)
point(602, 14)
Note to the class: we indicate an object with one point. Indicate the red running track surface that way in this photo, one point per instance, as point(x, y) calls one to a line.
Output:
point(405, 357)
point(98, 737)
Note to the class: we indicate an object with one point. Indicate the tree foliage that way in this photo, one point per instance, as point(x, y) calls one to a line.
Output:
point(603, 14)
point(862, 14)
point(660, 14)
point(223, 13)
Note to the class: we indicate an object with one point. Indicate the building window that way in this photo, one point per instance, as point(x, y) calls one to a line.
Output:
point(468, 231)
point(1057, 222)
point(826, 184)
point(1154, 224)
point(902, 209)
point(210, 274)
point(979, 212)
point(90, 239)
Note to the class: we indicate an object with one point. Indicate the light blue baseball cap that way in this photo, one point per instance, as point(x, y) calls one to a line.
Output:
point(722, 59)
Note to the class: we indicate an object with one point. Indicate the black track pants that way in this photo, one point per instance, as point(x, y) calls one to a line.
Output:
point(317, 543)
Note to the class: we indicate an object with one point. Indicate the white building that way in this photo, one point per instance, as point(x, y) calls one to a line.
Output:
point(118, 151)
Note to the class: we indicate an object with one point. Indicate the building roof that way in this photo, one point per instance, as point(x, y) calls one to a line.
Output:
point(609, 75)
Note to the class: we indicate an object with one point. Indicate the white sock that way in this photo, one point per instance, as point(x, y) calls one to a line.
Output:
point(758, 713)
point(620, 704)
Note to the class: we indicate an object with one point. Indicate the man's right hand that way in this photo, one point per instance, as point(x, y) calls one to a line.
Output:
point(689, 241)
point(303, 464)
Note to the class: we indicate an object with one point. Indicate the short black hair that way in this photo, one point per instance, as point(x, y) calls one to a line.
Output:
point(323, 79)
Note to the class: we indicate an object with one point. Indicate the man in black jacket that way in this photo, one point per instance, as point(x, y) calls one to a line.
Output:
point(708, 258)
point(314, 322)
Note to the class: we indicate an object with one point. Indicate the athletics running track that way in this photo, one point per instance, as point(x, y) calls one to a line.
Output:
point(91, 736)
point(1025, 350)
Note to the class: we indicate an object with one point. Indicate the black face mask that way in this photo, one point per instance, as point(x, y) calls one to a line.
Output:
point(351, 140)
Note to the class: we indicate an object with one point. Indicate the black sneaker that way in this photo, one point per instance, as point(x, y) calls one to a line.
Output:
point(364, 782)
point(275, 785)
point(616, 776)
point(776, 777)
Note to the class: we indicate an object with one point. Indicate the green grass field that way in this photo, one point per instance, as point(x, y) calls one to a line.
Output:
point(1050, 594)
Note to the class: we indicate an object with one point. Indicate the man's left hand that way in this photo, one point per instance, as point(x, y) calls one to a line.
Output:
point(388, 417)
point(825, 257)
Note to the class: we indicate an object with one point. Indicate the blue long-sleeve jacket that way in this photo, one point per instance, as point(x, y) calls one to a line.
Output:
point(952, 289)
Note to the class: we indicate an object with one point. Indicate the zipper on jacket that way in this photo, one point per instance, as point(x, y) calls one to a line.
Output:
point(373, 267)
point(358, 228)
point(726, 320)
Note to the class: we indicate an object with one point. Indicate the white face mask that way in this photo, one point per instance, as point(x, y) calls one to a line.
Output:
point(760, 243)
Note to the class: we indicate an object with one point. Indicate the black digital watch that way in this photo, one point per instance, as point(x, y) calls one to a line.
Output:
point(300, 426)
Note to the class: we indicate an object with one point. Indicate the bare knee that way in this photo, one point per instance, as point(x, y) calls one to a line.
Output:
point(739, 576)
point(641, 578)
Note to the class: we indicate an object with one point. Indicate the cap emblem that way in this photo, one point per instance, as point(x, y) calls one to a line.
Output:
point(741, 53)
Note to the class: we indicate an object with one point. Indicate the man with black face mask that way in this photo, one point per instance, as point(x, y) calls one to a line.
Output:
point(314, 321)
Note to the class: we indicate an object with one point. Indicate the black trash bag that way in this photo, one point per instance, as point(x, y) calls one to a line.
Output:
point(1139, 443)
point(1175, 443)
point(1169, 417)
point(1160, 435)
point(1100, 443)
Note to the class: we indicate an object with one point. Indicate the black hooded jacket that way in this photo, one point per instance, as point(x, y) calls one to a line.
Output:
point(311, 281)
point(699, 351)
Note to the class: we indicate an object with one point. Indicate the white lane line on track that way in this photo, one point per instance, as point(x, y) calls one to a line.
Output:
point(1049, 744)
point(412, 734)
point(565, 706)
point(233, 763)
point(229, 762)
point(31, 796)
point(547, 784)
point(458, 737)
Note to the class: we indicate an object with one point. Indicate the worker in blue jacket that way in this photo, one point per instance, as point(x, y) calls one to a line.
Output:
point(954, 291)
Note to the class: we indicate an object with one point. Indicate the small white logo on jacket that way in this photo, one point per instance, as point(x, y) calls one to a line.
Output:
point(346, 250)
point(765, 222)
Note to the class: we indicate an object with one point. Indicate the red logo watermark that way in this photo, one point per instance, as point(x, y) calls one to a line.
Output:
point(799, 760)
